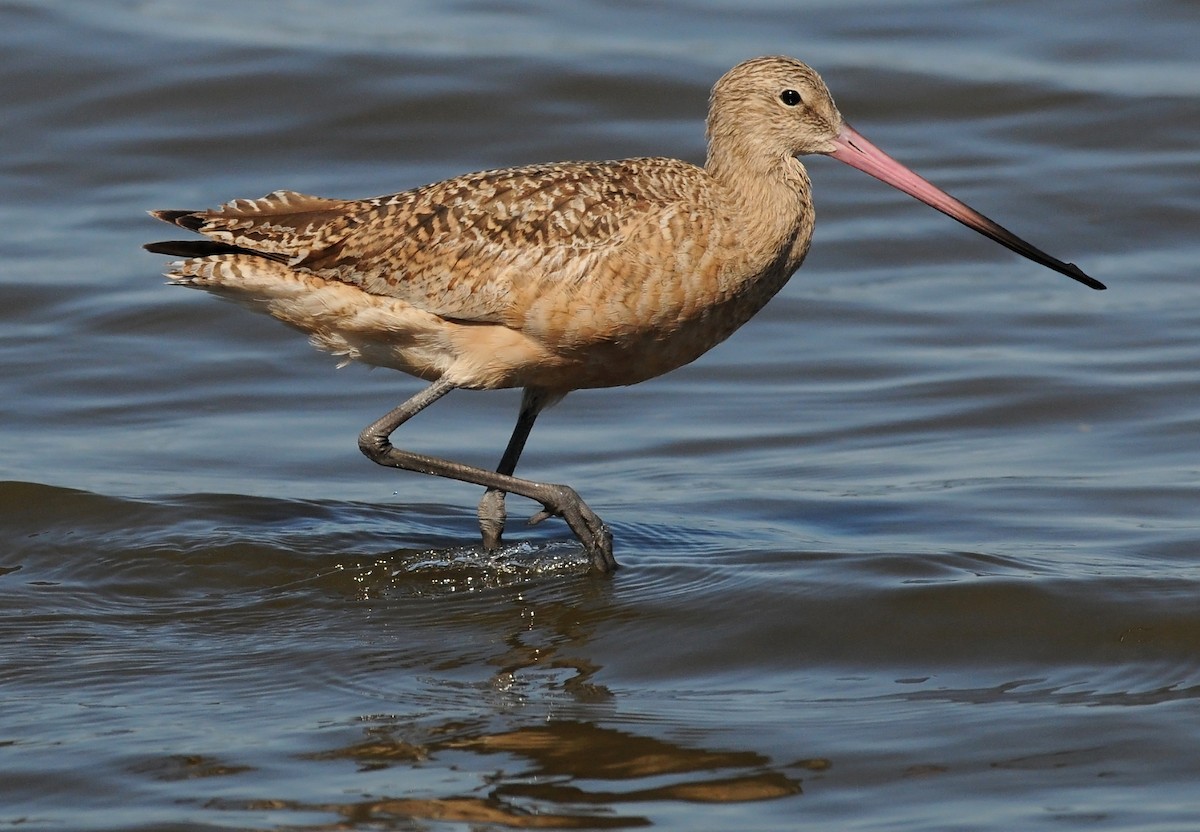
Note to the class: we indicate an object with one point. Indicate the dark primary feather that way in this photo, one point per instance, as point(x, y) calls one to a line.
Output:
point(201, 248)
point(194, 221)
point(184, 219)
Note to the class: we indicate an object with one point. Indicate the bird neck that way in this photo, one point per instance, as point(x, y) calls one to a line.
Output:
point(770, 197)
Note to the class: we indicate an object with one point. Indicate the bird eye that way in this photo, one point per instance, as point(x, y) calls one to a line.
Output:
point(790, 97)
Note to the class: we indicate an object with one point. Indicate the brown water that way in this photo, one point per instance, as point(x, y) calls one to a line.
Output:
point(919, 548)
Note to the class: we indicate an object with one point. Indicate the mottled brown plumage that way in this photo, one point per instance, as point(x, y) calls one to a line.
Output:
point(551, 277)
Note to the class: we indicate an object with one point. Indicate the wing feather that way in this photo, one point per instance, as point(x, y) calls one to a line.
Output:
point(466, 248)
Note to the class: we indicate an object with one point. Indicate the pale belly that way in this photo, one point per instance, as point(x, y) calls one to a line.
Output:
point(574, 348)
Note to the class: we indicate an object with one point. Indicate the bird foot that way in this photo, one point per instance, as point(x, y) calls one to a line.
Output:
point(591, 531)
point(544, 514)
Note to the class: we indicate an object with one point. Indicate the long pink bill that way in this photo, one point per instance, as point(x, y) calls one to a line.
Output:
point(859, 153)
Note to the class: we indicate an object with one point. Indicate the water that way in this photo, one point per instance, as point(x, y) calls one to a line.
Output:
point(916, 549)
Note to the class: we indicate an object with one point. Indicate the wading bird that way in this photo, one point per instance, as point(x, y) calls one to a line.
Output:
point(553, 277)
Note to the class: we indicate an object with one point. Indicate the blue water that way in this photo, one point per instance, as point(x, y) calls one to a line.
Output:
point(915, 549)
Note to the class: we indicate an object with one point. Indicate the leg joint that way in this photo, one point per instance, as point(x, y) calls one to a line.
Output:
point(373, 444)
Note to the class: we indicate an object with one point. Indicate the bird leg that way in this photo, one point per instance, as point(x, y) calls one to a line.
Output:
point(556, 500)
point(492, 516)
point(491, 508)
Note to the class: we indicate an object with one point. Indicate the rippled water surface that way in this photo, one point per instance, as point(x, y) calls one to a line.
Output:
point(918, 548)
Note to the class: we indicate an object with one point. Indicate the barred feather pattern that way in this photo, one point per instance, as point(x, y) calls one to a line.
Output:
point(559, 276)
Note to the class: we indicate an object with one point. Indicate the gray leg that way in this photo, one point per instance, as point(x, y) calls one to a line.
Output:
point(491, 507)
point(557, 500)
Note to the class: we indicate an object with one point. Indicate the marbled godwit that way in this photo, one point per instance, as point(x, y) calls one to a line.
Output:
point(553, 277)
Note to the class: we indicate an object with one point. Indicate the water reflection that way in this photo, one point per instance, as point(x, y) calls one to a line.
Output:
point(568, 774)
point(560, 767)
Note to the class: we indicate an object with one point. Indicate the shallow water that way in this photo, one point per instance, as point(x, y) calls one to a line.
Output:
point(917, 548)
